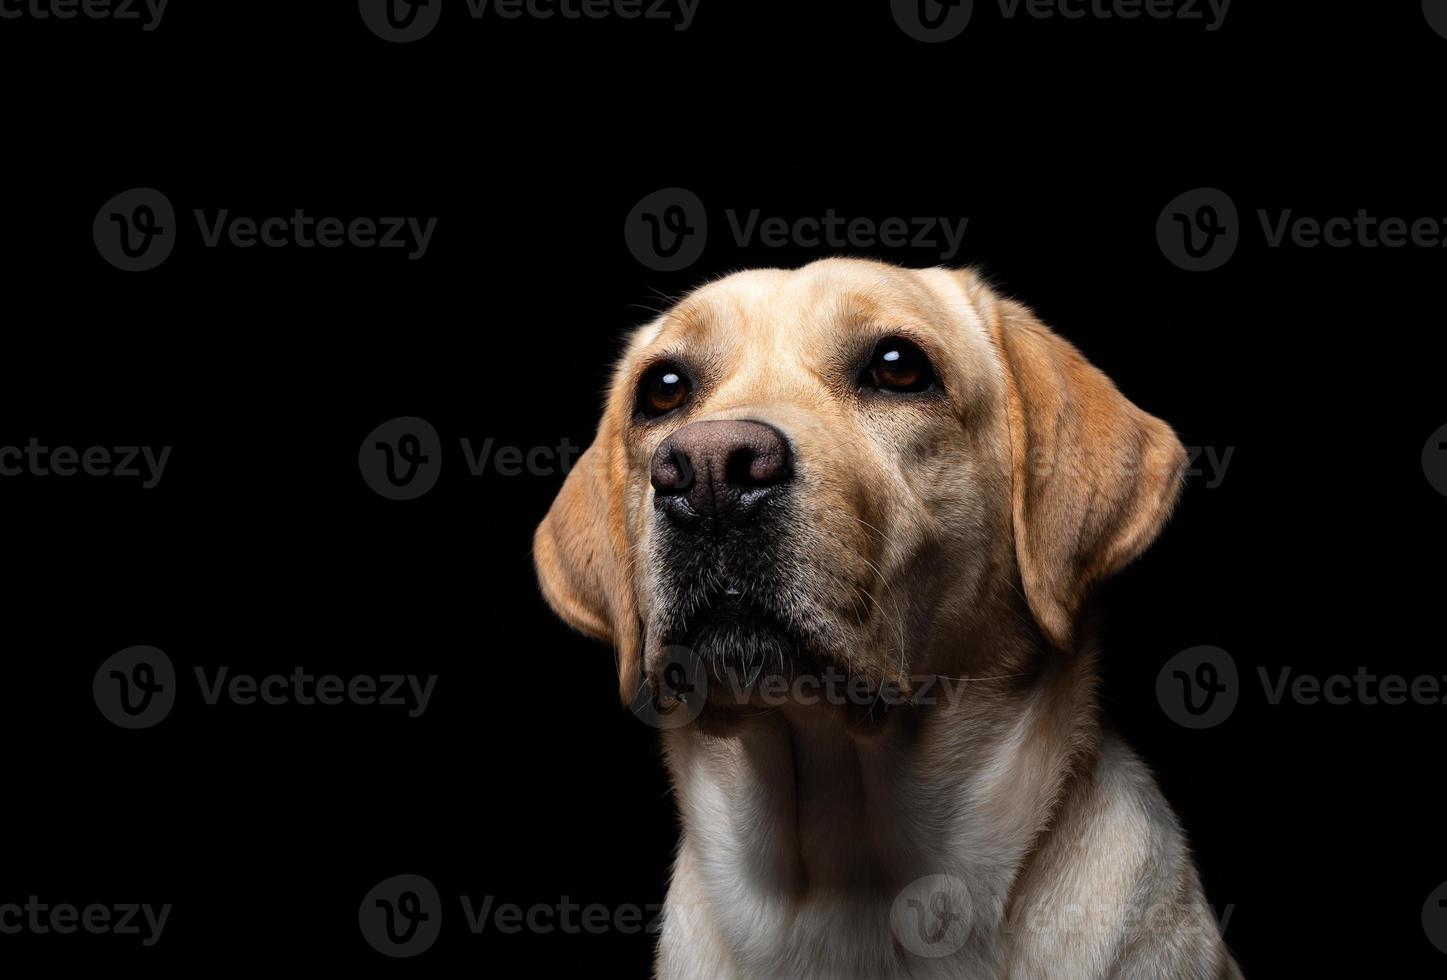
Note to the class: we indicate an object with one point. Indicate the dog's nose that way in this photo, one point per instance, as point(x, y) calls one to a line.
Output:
point(720, 471)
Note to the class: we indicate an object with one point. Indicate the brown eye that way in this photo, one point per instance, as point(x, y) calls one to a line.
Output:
point(898, 365)
point(664, 388)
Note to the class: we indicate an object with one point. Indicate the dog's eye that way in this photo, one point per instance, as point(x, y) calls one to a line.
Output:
point(664, 388)
point(898, 365)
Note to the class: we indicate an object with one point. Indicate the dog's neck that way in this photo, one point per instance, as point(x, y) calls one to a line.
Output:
point(795, 807)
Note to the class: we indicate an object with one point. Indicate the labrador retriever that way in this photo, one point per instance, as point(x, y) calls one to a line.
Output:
point(840, 525)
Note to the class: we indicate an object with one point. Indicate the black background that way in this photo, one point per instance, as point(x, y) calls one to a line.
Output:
point(262, 548)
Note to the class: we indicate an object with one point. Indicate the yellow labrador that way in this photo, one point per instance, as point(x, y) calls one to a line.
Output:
point(858, 510)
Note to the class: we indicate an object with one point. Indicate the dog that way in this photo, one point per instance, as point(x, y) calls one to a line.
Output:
point(818, 493)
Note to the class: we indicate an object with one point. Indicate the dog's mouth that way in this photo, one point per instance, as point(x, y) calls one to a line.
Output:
point(746, 657)
point(739, 639)
point(729, 624)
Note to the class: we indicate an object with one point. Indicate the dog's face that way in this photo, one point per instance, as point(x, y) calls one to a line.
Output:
point(849, 464)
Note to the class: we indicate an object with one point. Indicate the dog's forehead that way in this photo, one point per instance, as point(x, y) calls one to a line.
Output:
point(818, 304)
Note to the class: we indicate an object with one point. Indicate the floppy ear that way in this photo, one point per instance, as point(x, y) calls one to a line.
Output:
point(1094, 477)
point(580, 553)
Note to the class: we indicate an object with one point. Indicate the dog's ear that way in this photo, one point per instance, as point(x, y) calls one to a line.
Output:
point(581, 554)
point(1094, 477)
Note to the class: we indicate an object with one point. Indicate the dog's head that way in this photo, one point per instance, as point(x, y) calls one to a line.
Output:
point(853, 464)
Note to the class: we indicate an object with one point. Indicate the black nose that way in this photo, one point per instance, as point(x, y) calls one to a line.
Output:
point(719, 471)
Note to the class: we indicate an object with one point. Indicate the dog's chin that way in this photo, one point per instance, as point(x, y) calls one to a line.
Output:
point(752, 660)
point(736, 639)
